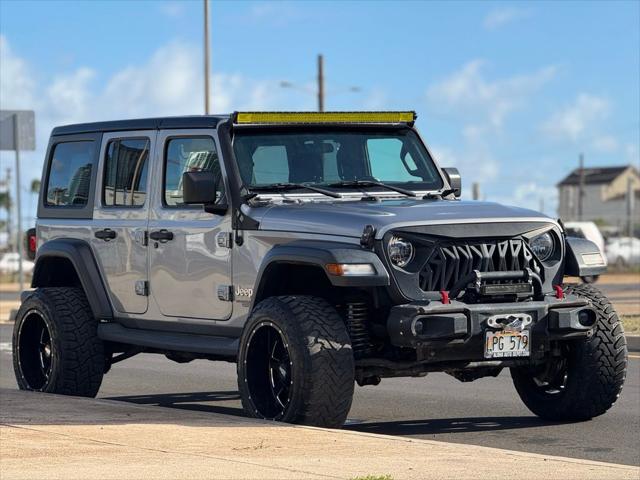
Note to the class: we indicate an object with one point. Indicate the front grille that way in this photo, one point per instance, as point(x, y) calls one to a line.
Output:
point(448, 263)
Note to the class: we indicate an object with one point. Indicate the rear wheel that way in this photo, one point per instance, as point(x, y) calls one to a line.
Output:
point(295, 363)
point(56, 348)
point(586, 379)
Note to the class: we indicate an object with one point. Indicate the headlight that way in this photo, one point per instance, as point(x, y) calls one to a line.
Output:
point(543, 246)
point(400, 251)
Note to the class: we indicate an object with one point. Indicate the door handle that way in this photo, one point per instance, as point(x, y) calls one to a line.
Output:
point(161, 235)
point(106, 234)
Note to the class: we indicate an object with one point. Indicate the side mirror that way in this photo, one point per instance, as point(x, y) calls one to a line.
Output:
point(200, 188)
point(454, 179)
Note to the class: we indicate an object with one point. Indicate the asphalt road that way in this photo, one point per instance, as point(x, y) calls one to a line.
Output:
point(486, 412)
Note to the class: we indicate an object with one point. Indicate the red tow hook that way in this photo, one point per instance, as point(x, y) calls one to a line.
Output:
point(559, 292)
point(444, 297)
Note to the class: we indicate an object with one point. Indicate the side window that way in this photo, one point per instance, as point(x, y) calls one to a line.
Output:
point(270, 165)
point(188, 154)
point(386, 158)
point(125, 174)
point(70, 174)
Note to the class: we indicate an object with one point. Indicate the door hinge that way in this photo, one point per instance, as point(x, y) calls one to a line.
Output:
point(224, 239)
point(142, 288)
point(225, 293)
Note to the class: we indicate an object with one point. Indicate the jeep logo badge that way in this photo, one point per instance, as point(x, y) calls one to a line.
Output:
point(243, 292)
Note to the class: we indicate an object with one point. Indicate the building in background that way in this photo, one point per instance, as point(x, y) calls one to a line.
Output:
point(608, 198)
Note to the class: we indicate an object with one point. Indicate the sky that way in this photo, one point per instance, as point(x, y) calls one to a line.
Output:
point(509, 92)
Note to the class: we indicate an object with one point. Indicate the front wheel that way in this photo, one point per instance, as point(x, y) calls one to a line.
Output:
point(295, 363)
point(56, 348)
point(586, 379)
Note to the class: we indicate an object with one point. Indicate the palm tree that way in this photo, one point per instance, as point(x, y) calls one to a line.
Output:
point(35, 186)
point(5, 201)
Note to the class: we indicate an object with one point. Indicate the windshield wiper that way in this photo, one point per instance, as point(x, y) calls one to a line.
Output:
point(371, 183)
point(281, 187)
point(442, 194)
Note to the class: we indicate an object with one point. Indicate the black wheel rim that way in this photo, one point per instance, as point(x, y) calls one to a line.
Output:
point(268, 372)
point(35, 351)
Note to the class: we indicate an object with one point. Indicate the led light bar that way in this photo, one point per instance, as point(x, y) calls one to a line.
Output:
point(275, 118)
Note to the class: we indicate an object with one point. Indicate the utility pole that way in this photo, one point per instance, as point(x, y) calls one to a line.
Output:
point(581, 187)
point(542, 204)
point(475, 191)
point(7, 184)
point(630, 206)
point(206, 57)
point(320, 83)
point(16, 142)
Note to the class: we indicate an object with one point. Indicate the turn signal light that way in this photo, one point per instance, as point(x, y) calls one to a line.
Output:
point(350, 269)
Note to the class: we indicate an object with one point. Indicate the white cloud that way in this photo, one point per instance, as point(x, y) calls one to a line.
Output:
point(468, 92)
point(171, 9)
point(275, 14)
point(632, 153)
point(474, 161)
point(167, 83)
point(68, 97)
point(582, 118)
point(531, 195)
point(16, 79)
point(605, 144)
point(502, 16)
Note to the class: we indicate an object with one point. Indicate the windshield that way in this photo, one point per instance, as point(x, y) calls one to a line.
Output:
point(326, 157)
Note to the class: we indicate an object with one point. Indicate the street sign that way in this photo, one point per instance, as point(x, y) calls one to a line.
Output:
point(26, 129)
point(17, 132)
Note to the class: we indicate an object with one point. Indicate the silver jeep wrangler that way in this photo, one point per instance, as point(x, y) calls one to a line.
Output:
point(315, 250)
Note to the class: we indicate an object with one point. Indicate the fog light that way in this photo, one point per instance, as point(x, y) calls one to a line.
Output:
point(350, 269)
point(587, 318)
point(418, 326)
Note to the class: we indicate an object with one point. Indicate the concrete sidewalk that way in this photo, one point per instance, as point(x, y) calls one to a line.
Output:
point(55, 437)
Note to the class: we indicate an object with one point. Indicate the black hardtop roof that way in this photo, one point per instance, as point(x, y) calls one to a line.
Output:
point(193, 121)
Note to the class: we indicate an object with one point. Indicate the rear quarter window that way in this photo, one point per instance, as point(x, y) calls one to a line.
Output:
point(70, 170)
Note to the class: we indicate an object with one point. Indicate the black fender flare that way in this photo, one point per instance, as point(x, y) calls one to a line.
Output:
point(79, 254)
point(319, 254)
point(582, 258)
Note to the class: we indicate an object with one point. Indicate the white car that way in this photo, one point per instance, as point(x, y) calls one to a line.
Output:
point(623, 251)
point(10, 263)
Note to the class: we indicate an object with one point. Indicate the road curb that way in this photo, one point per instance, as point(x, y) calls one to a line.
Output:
point(77, 438)
point(633, 343)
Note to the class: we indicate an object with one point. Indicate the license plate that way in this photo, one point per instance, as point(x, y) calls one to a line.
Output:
point(507, 344)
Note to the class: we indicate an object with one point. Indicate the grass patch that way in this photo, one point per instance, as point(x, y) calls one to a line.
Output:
point(374, 477)
point(631, 324)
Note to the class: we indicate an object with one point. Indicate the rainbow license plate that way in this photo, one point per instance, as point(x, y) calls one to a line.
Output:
point(503, 344)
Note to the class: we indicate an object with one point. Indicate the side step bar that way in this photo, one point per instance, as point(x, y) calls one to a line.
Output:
point(178, 342)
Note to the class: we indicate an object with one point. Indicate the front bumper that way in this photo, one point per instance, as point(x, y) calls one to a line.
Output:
point(456, 331)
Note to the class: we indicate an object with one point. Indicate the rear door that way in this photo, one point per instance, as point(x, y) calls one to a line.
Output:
point(121, 215)
point(191, 260)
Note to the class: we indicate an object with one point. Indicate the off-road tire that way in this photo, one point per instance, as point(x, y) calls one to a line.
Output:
point(322, 363)
point(77, 354)
point(596, 371)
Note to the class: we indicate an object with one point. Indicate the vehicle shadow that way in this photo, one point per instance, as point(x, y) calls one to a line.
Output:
point(193, 401)
point(449, 425)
